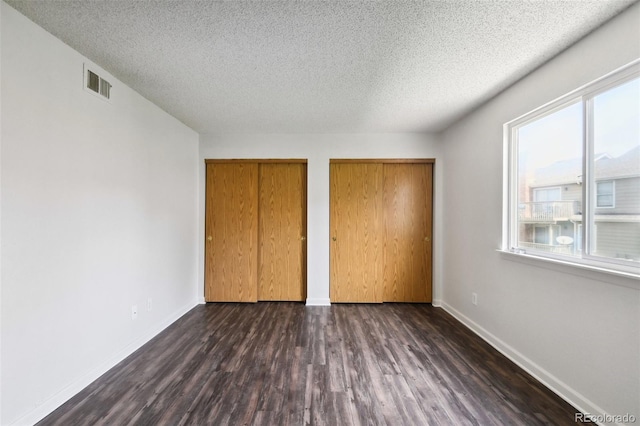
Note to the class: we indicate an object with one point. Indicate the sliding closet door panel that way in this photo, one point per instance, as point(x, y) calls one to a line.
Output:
point(408, 232)
point(281, 232)
point(231, 229)
point(356, 232)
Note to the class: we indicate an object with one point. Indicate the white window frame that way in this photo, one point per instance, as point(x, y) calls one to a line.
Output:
point(583, 95)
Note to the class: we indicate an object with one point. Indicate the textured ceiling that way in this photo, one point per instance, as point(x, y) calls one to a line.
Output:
point(319, 66)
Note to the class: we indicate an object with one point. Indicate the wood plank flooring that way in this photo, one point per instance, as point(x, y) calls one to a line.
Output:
point(287, 364)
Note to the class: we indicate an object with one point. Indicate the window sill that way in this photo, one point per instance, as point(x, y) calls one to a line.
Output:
point(612, 276)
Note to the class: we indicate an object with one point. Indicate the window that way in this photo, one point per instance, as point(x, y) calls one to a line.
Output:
point(604, 194)
point(573, 172)
point(547, 194)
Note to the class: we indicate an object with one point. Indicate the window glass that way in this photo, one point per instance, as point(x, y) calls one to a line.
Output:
point(574, 176)
point(549, 181)
point(604, 194)
point(547, 194)
point(615, 216)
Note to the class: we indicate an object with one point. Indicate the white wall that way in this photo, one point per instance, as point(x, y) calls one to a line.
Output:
point(318, 149)
point(579, 332)
point(99, 211)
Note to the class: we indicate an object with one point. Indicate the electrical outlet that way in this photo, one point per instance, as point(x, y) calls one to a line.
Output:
point(149, 304)
point(134, 312)
point(474, 298)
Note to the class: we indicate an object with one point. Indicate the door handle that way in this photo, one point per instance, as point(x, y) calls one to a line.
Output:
point(334, 238)
point(209, 238)
point(303, 238)
point(427, 239)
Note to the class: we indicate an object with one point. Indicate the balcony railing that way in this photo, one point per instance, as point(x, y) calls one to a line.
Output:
point(548, 211)
point(569, 249)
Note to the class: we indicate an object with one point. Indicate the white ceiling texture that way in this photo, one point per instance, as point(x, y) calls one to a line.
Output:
point(319, 66)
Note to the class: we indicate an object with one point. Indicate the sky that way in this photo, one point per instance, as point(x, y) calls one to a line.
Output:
point(558, 136)
point(617, 119)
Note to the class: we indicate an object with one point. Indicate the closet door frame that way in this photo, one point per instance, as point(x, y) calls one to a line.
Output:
point(207, 232)
point(430, 192)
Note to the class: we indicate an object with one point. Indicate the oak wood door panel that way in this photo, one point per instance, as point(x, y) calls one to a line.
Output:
point(231, 227)
point(407, 194)
point(282, 232)
point(356, 232)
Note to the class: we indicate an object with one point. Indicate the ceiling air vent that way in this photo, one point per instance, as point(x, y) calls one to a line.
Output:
point(97, 84)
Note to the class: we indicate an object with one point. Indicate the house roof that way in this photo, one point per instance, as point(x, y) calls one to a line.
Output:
point(606, 167)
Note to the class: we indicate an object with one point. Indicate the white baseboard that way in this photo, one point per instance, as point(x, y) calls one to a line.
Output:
point(437, 303)
point(570, 395)
point(55, 401)
point(201, 300)
point(318, 302)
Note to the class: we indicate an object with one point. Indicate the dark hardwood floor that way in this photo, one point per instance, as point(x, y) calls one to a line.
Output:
point(287, 364)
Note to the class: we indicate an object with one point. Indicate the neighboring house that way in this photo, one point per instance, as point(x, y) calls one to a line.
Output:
point(551, 218)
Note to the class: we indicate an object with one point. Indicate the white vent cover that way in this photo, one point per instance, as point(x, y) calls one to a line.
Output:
point(96, 84)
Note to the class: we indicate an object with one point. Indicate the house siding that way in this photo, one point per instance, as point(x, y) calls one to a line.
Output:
point(626, 196)
point(572, 192)
point(618, 240)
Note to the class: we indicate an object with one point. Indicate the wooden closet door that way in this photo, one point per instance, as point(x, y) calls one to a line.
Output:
point(356, 232)
point(282, 232)
point(408, 195)
point(231, 252)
